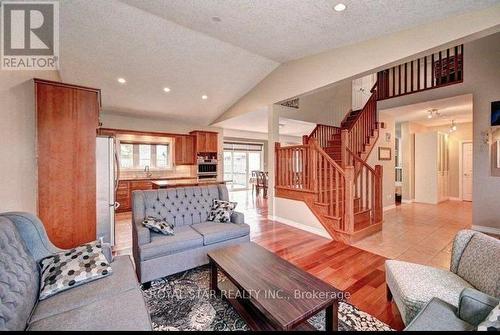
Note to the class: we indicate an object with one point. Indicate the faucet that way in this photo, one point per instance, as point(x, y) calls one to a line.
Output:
point(146, 170)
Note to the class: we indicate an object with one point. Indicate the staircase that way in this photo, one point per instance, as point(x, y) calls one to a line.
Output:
point(330, 174)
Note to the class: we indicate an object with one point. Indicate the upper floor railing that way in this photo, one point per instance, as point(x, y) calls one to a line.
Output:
point(439, 69)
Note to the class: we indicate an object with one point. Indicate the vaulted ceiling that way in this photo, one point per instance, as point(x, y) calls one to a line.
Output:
point(218, 48)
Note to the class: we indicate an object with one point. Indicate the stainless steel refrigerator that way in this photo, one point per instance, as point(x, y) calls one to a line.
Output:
point(107, 176)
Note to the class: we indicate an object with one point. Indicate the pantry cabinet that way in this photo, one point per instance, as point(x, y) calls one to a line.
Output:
point(205, 141)
point(185, 150)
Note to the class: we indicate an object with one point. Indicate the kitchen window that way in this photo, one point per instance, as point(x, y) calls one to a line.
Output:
point(138, 156)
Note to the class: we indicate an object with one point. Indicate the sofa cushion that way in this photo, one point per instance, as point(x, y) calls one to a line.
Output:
point(161, 245)
point(124, 311)
point(438, 315)
point(480, 265)
point(159, 225)
point(18, 279)
point(71, 268)
point(221, 211)
point(181, 206)
point(414, 285)
point(218, 232)
point(122, 280)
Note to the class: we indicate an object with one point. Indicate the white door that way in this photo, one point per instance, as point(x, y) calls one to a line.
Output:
point(467, 171)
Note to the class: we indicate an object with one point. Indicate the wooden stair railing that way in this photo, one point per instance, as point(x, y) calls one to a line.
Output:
point(324, 133)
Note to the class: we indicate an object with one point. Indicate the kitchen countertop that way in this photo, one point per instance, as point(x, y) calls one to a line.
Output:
point(151, 178)
point(181, 183)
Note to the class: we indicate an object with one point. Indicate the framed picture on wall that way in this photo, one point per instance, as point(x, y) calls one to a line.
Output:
point(384, 153)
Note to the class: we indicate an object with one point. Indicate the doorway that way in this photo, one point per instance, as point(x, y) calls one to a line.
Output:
point(240, 159)
point(466, 171)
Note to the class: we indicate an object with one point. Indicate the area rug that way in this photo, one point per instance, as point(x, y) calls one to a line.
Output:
point(183, 302)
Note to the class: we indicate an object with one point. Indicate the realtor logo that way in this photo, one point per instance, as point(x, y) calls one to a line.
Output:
point(30, 35)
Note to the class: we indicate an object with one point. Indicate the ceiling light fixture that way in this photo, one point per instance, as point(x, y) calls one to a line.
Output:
point(216, 19)
point(204, 97)
point(166, 89)
point(433, 113)
point(122, 80)
point(340, 7)
point(453, 126)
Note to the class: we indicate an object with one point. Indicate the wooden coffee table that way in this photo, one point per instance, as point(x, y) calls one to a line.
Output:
point(270, 293)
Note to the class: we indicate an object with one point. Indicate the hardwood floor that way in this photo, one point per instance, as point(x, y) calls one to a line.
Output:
point(412, 232)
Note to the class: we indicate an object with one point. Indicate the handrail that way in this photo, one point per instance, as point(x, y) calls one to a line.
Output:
point(327, 157)
point(359, 160)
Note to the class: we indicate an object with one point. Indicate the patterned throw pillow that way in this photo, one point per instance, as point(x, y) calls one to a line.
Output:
point(221, 211)
point(492, 322)
point(72, 268)
point(158, 225)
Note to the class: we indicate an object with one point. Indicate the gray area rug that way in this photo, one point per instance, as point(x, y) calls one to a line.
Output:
point(183, 302)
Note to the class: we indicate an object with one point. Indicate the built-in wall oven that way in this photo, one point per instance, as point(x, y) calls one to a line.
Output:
point(207, 167)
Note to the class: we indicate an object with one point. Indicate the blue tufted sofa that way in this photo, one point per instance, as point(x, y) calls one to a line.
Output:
point(157, 255)
point(111, 303)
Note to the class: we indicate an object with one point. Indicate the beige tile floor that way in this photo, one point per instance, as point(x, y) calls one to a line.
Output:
point(420, 233)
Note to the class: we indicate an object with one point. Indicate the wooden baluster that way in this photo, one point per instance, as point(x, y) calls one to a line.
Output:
point(433, 71)
point(367, 189)
point(337, 189)
point(406, 78)
point(425, 72)
point(448, 65)
point(455, 64)
point(399, 79)
point(393, 81)
point(418, 75)
point(349, 199)
point(278, 165)
point(411, 77)
point(378, 193)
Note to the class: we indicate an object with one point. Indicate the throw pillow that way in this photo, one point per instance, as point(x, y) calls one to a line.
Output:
point(158, 225)
point(492, 322)
point(221, 211)
point(72, 268)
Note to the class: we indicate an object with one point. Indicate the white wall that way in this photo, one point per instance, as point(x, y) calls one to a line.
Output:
point(297, 214)
point(325, 106)
point(361, 90)
point(18, 183)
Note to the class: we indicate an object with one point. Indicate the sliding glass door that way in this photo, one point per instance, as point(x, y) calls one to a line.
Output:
point(240, 159)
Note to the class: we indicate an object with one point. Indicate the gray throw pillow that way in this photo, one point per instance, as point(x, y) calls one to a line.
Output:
point(492, 321)
point(159, 225)
point(72, 268)
point(221, 211)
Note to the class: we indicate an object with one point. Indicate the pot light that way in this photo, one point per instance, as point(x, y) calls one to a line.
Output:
point(216, 19)
point(122, 80)
point(340, 7)
point(204, 97)
point(166, 89)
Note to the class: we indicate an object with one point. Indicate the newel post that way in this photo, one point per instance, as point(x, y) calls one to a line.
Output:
point(349, 199)
point(379, 171)
point(344, 137)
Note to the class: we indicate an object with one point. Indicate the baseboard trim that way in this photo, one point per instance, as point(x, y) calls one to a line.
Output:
point(484, 229)
point(454, 199)
point(301, 226)
point(407, 201)
point(386, 208)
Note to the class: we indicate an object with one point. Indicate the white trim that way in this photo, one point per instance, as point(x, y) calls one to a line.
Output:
point(484, 229)
point(320, 232)
point(454, 199)
point(407, 201)
point(386, 208)
point(460, 170)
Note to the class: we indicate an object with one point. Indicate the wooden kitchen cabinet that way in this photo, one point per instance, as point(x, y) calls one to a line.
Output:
point(184, 150)
point(205, 141)
point(67, 118)
point(125, 189)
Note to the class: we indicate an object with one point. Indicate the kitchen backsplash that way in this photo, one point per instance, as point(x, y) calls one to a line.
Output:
point(177, 171)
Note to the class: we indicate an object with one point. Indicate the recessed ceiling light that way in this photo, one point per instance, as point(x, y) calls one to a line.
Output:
point(340, 7)
point(122, 80)
point(204, 97)
point(216, 19)
point(166, 89)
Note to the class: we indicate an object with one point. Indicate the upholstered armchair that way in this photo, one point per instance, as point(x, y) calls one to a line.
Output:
point(475, 264)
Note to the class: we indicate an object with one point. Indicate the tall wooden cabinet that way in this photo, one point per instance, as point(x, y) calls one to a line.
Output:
point(431, 167)
point(205, 141)
point(184, 150)
point(67, 117)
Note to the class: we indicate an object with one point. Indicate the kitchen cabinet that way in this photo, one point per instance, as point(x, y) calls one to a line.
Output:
point(184, 150)
point(205, 141)
point(125, 189)
point(67, 119)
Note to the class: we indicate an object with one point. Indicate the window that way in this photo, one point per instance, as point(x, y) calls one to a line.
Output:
point(136, 156)
point(240, 159)
point(144, 155)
